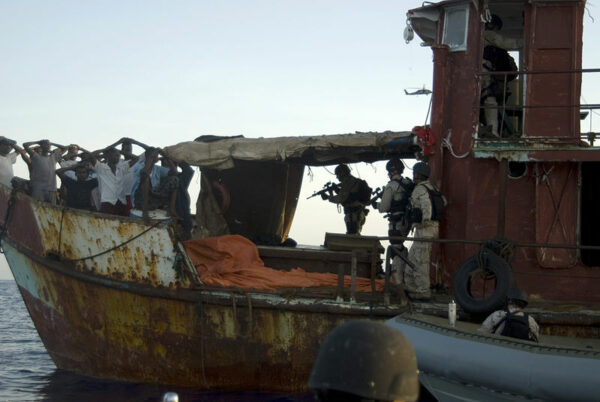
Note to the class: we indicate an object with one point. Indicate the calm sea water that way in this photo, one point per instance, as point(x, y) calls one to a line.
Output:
point(28, 374)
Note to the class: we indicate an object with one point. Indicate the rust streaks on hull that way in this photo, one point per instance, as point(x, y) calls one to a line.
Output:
point(205, 339)
point(119, 248)
point(22, 225)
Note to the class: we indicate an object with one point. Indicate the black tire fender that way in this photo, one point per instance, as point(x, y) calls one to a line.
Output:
point(504, 282)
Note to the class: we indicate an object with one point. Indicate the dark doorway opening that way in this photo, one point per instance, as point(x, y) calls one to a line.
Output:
point(590, 212)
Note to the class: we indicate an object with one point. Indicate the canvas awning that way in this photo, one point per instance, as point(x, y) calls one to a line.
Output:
point(308, 150)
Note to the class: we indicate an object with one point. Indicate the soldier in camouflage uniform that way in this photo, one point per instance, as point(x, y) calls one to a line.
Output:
point(354, 210)
point(492, 86)
point(394, 200)
point(417, 279)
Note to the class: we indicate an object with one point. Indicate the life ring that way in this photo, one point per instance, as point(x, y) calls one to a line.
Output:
point(495, 266)
point(223, 194)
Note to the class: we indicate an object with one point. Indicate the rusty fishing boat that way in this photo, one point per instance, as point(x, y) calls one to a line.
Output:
point(120, 298)
point(123, 298)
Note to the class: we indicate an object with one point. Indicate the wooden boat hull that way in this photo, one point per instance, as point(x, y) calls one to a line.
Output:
point(459, 361)
point(199, 338)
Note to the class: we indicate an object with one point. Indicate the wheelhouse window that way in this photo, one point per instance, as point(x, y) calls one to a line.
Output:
point(456, 27)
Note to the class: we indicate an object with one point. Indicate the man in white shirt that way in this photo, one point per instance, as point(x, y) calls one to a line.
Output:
point(8, 159)
point(127, 153)
point(111, 176)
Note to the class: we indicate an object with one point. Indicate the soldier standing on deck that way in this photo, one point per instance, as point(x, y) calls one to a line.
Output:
point(425, 215)
point(394, 201)
point(351, 196)
point(496, 58)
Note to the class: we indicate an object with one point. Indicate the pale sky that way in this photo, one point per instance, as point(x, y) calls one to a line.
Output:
point(163, 72)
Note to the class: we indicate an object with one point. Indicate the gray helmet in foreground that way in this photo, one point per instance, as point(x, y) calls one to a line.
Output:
point(519, 295)
point(368, 359)
point(422, 168)
point(395, 165)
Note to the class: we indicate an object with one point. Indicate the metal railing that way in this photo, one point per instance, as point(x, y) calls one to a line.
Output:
point(506, 111)
point(397, 250)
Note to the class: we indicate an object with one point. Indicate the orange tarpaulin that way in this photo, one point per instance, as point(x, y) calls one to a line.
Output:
point(233, 260)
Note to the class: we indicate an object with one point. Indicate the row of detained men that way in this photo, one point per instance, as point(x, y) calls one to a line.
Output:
point(108, 180)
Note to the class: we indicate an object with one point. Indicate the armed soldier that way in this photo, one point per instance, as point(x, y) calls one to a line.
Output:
point(496, 58)
point(394, 202)
point(427, 207)
point(353, 195)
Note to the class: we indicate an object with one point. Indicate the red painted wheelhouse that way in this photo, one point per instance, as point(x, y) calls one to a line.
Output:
point(538, 181)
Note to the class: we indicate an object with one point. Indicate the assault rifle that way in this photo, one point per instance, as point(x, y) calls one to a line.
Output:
point(329, 187)
point(377, 193)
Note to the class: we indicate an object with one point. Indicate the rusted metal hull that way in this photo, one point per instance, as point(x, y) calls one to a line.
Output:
point(123, 249)
point(115, 298)
point(199, 338)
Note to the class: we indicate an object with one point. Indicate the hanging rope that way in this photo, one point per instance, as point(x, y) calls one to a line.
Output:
point(428, 112)
point(8, 214)
point(446, 143)
point(117, 246)
point(501, 246)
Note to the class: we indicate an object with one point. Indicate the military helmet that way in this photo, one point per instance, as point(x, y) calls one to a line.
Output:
point(495, 21)
point(518, 295)
point(342, 169)
point(368, 359)
point(422, 168)
point(395, 165)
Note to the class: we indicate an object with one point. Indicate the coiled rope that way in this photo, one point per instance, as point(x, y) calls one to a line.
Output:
point(500, 245)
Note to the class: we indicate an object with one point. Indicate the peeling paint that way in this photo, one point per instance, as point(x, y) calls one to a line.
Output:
point(168, 340)
point(74, 235)
point(128, 305)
